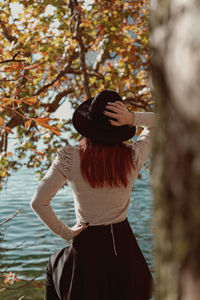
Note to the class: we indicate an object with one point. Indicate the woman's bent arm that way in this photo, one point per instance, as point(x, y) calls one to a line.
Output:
point(53, 180)
point(143, 145)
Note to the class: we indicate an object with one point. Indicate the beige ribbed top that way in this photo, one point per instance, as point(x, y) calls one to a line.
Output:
point(98, 206)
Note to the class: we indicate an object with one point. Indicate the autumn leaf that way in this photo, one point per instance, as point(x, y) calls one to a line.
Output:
point(10, 278)
point(5, 99)
point(30, 100)
point(1, 121)
point(8, 129)
point(31, 77)
point(34, 150)
point(139, 131)
point(42, 122)
point(16, 66)
point(28, 123)
point(9, 154)
point(33, 66)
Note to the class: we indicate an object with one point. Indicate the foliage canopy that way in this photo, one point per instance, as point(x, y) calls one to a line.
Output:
point(57, 51)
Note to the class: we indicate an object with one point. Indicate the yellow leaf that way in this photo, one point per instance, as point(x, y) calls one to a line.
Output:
point(113, 28)
point(30, 99)
point(5, 99)
point(28, 123)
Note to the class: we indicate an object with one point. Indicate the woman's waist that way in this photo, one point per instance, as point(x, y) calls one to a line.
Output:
point(113, 223)
point(101, 218)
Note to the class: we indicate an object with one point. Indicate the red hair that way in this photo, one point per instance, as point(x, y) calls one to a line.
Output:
point(102, 163)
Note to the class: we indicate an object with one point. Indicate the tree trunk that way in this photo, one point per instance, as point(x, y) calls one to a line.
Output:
point(175, 42)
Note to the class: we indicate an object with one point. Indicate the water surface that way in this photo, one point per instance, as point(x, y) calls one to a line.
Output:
point(26, 243)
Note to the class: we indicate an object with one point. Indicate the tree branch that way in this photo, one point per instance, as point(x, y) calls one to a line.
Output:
point(92, 73)
point(4, 79)
point(77, 16)
point(12, 59)
point(11, 217)
point(66, 69)
point(101, 58)
point(6, 33)
point(137, 102)
point(51, 107)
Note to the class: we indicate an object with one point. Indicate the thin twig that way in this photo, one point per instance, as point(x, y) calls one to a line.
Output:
point(12, 59)
point(11, 217)
point(4, 79)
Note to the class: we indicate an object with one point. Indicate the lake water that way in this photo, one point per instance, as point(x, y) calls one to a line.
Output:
point(26, 243)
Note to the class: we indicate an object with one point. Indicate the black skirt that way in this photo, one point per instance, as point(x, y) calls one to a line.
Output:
point(103, 263)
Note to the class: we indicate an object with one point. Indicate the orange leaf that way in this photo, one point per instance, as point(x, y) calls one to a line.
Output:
point(28, 123)
point(16, 66)
point(43, 120)
point(8, 129)
point(9, 154)
point(53, 129)
point(9, 101)
point(1, 121)
point(5, 99)
point(34, 150)
point(31, 66)
point(10, 278)
point(86, 22)
point(139, 131)
point(30, 99)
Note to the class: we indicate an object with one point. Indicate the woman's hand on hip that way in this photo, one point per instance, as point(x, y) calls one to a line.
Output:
point(120, 113)
point(77, 228)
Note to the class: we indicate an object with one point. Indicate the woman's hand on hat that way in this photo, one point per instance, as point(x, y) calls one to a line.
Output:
point(77, 228)
point(120, 113)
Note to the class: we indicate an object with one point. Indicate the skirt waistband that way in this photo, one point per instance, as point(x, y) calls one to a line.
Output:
point(108, 225)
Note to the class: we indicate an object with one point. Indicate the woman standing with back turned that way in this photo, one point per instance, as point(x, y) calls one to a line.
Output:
point(104, 261)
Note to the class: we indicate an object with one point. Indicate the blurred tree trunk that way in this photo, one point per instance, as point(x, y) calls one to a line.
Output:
point(175, 42)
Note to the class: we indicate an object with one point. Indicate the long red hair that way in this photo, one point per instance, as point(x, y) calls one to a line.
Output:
point(102, 163)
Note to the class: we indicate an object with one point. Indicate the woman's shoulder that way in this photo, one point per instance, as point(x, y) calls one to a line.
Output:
point(67, 150)
point(65, 156)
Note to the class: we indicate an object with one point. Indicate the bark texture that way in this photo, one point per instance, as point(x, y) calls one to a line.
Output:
point(175, 42)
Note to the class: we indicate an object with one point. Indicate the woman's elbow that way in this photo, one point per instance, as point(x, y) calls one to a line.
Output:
point(34, 204)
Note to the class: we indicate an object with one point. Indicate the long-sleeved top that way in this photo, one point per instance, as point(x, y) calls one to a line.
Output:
point(97, 206)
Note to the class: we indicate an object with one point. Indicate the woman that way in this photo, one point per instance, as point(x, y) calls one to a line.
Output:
point(104, 261)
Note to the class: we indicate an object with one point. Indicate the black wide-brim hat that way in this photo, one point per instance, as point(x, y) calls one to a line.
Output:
point(89, 120)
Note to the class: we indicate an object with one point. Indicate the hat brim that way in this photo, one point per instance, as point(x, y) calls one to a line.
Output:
point(87, 127)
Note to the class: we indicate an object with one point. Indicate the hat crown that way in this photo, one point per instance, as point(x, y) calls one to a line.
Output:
point(91, 122)
point(98, 105)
